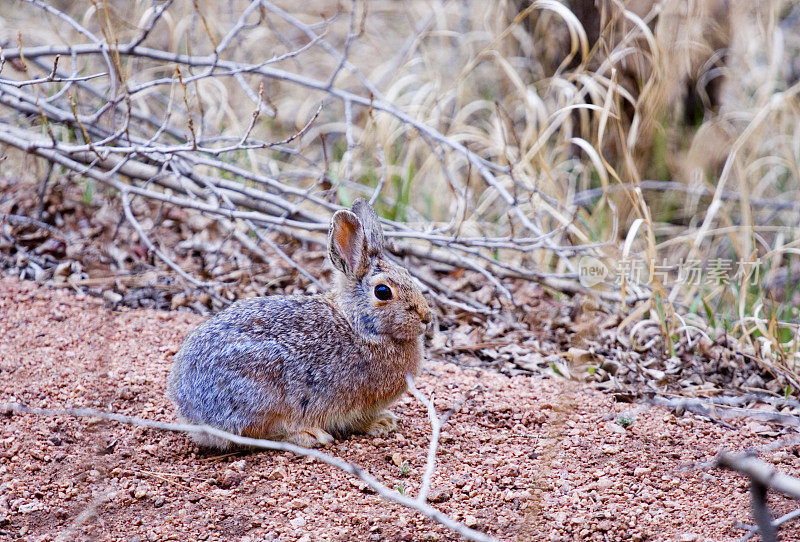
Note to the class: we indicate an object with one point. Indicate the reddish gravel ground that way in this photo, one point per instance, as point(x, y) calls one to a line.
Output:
point(524, 459)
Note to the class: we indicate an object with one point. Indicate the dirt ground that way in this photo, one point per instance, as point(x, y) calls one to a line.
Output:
point(526, 458)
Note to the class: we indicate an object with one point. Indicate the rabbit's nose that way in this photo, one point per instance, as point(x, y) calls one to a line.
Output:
point(425, 315)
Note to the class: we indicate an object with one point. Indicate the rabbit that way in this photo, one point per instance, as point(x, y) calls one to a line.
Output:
point(300, 368)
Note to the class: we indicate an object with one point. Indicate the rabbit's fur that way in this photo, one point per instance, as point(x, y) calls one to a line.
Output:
point(302, 367)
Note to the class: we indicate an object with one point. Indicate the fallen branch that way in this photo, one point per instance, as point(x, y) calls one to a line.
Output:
point(721, 408)
point(436, 428)
point(588, 196)
point(762, 478)
point(390, 495)
point(777, 523)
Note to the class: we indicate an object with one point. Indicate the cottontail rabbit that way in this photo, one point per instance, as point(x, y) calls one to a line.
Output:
point(299, 367)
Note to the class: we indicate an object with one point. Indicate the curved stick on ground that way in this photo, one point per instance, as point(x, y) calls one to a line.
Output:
point(354, 470)
point(436, 428)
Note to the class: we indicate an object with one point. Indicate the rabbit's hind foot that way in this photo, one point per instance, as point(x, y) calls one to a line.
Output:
point(309, 437)
point(382, 424)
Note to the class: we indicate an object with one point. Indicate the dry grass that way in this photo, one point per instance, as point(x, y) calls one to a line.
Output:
point(664, 133)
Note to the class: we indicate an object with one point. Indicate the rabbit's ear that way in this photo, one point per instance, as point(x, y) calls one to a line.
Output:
point(347, 244)
point(371, 224)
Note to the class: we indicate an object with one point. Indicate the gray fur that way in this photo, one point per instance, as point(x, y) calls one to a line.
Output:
point(371, 225)
point(274, 366)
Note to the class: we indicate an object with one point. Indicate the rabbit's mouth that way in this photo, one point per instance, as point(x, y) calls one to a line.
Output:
point(423, 313)
point(409, 330)
point(419, 329)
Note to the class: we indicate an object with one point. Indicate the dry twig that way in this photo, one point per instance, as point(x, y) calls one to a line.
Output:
point(418, 504)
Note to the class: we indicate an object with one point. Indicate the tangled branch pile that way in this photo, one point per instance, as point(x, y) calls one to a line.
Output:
point(504, 140)
point(268, 143)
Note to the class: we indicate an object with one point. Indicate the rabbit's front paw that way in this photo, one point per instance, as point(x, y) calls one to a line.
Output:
point(310, 437)
point(383, 424)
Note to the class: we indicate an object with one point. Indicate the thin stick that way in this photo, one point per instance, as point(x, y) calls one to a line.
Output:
point(777, 523)
point(354, 470)
point(760, 472)
point(436, 428)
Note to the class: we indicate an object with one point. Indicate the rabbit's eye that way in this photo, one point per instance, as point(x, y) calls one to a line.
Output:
point(383, 292)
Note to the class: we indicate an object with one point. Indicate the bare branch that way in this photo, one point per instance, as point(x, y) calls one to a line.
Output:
point(354, 470)
point(777, 523)
point(436, 428)
point(720, 407)
point(762, 477)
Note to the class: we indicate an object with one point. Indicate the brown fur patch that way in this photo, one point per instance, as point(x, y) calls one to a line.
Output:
point(269, 426)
